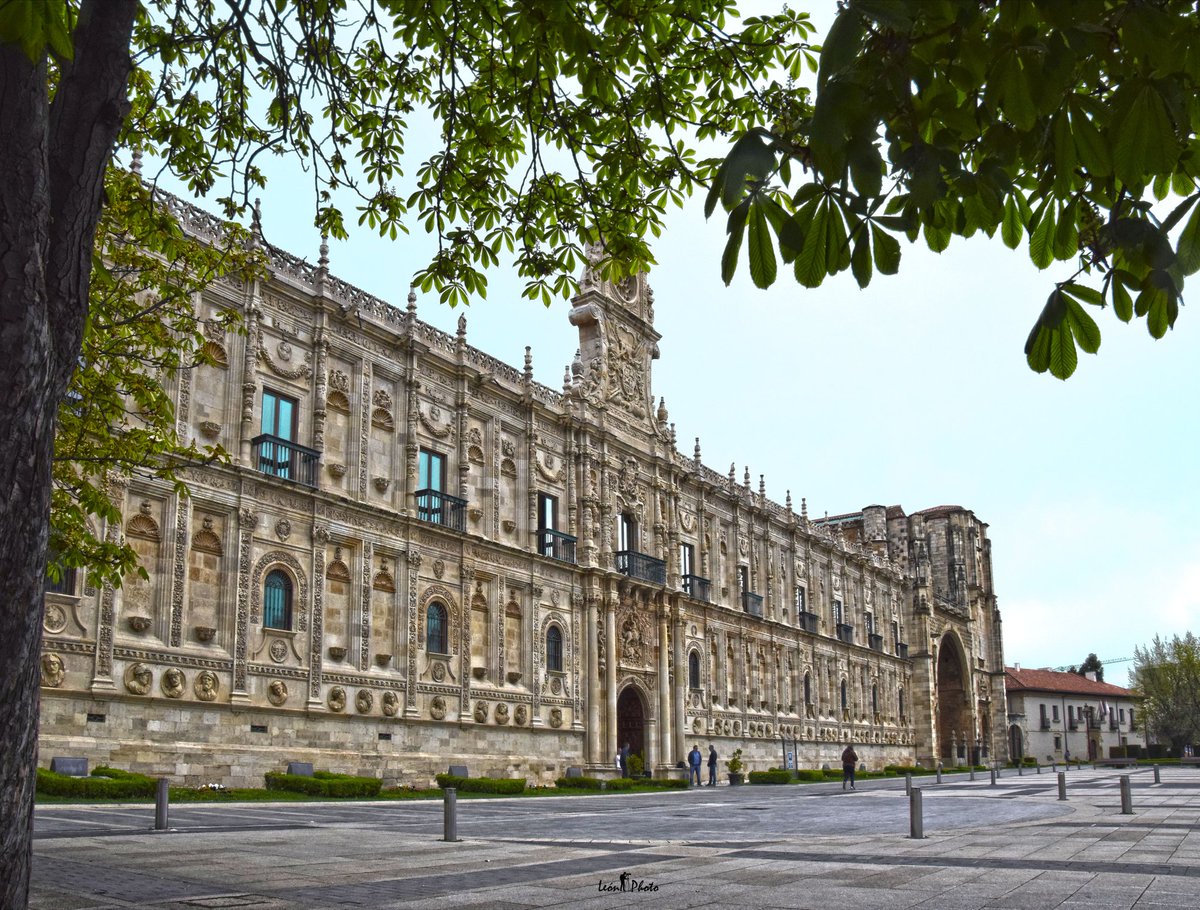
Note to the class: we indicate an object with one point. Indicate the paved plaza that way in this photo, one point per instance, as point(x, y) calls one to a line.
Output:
point(1012, 846)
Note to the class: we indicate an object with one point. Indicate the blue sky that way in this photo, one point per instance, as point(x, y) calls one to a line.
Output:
point(913, 392)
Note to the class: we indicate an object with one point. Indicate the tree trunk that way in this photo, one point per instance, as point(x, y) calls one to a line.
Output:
point(53, 161)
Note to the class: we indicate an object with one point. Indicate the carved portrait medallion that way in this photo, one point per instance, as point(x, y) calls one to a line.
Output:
point(173, 683)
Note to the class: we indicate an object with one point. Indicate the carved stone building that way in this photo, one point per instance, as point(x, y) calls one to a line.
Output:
point(419, 555)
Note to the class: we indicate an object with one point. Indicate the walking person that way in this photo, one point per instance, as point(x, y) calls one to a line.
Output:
point(694, 765)
point(849, 763)
point(712, 765)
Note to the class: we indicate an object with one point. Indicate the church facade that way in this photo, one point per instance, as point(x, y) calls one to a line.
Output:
point(419, 556)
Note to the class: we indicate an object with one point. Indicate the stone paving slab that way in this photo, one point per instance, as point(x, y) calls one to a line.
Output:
point(1012, 846)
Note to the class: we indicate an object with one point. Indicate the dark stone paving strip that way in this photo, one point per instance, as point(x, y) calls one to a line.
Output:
point(428, 886)
point(1119, 825)
point(174, 829)
point(977, 862)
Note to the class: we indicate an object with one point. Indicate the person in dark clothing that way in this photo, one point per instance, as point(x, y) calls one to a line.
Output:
point(849, 763)
point(625, 760)
point(694, 765)
point(712, 765)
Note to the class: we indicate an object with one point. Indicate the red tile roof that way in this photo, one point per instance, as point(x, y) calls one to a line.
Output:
point(1052, 681)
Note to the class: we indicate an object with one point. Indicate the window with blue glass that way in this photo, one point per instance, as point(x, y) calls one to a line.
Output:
point(277, 601)
point(554, 649)
point(279, 428)
point(437, 638)
point(694, 670)
point(431, 474)
point(845, 693)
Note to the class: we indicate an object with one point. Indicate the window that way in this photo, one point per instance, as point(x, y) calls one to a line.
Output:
point(870, 617)
point(65, 583)
point(1132, 724)
point(743, 579)
point(807, 689)
point(687, 559)
point(901, 699)
point(277, 601)
point(875, 699)
point(436, 637)
point(547, 521)
point(1071, 713)
point(554, 657)
point(627, 532)
point(896, 636)
point(1057, 743)
point(693, 670)
point(279, 416)
point(801, 599)
point(1054, 711)
point(1122, 715)
point(431, 471)
point(837, 612)
point(845, 700)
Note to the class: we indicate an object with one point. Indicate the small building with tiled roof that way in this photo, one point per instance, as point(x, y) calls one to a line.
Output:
point(1056, 716)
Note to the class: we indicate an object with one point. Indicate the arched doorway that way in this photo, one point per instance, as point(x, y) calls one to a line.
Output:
point(631, 721)
point(1016, 743)
point(953, 723)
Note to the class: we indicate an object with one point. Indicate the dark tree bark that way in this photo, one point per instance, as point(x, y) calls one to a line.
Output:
point(52, 164)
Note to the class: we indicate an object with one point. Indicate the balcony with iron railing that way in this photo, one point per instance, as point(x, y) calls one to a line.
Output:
point(1113, 725)
point(556, 545)
point(697, 588)
point(284, 459)
point(752, 603)
point(807, 621)
point(1072, 725)
point(845, 632)
point(440, 508)
point(639, 565)
point(875, 642)
point(1045, 723)
point(902, 650)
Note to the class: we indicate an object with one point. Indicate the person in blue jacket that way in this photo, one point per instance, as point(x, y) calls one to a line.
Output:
point(694, 765)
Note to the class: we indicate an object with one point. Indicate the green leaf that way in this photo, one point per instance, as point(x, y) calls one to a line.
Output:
point(1187, 250)
point(1011, 228)
point(1066, 233)
point(761, 249)
point(736, 228)
point(810, 268)
point(749, 159)
point(1041, 246)
point(1122, 302)
point(1146, 142)
point(841, 45)
point(886, 250)
point(860, 260)
point(1084, 327)
point(1050, 345)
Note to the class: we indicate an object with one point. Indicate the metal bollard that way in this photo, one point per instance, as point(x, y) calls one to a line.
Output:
point(1039, 767)
point(1020, 769)
point(450, 815)
point(1062, 784)
point(908, 784)
point(939, 772)
point(1053, 767)
point(162, 800)
point(972, 772)
point(997, 768)
point(1157, 778)
point(1126, 796)
point(993, 777)
point(916, 820)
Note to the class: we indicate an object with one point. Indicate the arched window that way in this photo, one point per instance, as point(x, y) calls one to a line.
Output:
point(436, 630)
point(807, 689)
point(845, 700)
point(277, 600)
point(694, 670)
point(901, 702)
point(554, 657)
point(875, 699)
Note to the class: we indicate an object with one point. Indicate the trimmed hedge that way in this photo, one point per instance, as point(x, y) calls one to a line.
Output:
point(579, 783)
point(810, 775)
point(668, 783)
point(500, 785)
point(774, 776)
point(104, 783)
point(325, 783)
point(620, 783)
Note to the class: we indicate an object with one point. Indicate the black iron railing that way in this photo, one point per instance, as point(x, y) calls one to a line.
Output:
point(1045, 723)
point(902, 651)
point(697, 588)
point(845, 632)
point(556, 545)
point(285, 459)
point(875, 642)
point(808, 621)
point(752, 603)
point(639, 565)
point(440, 508)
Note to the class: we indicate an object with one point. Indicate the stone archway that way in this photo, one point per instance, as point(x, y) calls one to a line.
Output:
point(953, 722)
point(631, 721)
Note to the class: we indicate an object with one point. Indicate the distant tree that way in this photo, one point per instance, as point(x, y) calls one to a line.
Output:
point(1166, 674)
point(1091, 664)
point(1067, 126)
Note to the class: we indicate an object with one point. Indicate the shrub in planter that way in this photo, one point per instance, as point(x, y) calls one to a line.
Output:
point(325, 783)
point(104, 783)
point(669, 783)
point(810, 775)
point(497, 785)
point(619, 783)
point(636, 765)
point(774, 776)
point(579, 783)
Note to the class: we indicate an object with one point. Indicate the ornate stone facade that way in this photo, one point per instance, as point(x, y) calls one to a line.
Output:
point(565, 580)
